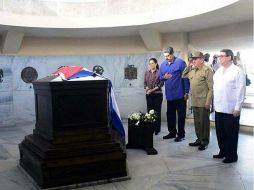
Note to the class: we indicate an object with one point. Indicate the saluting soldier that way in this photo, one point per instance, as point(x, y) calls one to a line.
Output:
point(201, 88)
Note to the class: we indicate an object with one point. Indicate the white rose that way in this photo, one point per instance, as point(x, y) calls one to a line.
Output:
point(151, 111)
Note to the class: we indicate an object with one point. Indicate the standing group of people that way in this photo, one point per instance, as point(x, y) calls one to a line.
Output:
point(224, 90)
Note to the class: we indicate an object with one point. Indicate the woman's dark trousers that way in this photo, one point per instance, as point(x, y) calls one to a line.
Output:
point(154, 102)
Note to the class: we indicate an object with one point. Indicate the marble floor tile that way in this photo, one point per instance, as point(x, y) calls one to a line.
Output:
point(177, 166)
point(199, 182)
point(248, 182)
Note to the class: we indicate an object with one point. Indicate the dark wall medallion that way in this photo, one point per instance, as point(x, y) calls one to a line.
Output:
point(29, 74)
point(130, 72)
point(98, 69)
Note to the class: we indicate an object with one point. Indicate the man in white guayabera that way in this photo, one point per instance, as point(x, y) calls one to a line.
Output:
point(229, 91)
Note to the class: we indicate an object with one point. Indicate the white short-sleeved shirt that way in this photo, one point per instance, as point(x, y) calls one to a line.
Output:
point(229, 89)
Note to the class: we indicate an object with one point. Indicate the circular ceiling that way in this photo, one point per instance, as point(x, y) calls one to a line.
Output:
point(101, 13)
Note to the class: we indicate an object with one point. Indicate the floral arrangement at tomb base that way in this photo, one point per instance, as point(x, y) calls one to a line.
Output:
point(140, 131)
point(139, 117)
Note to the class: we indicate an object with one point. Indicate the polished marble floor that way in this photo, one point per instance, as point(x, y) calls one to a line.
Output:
point(176, 167)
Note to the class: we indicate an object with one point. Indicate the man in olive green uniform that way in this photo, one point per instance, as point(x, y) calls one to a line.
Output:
point(201, 87)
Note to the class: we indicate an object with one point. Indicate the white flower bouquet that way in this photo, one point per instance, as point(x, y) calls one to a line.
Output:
point(149, 117)
point(138, 117)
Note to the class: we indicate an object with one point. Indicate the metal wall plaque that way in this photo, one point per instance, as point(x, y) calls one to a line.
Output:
point(98, 69)
point(1, 75)
point(130, 72)
point(29, 74)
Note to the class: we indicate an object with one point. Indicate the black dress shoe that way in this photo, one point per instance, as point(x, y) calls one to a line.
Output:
point(169, 136)
point(179, 139)
point(229, 160)
point(194, 144)
point(218, 156)
point(202, 147)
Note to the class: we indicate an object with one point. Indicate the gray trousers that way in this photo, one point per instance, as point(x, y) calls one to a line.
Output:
point(202, 124)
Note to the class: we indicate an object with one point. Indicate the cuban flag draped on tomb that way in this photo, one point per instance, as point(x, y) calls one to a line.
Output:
point(79, 73)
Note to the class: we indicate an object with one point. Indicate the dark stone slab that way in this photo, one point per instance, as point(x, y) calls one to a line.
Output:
point(76, 185)
point(73, 141)
point(141, 137)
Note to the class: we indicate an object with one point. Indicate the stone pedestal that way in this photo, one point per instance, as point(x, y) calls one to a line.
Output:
point(73, 141)
point(141, 137)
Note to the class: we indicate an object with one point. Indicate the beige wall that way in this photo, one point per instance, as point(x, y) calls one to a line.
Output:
point(97, 46)
point(177, 40)
point(82, 46)
point(234, 36)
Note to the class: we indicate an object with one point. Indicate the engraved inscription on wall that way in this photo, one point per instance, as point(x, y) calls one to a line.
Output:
point(130, 72)
point(29, 74)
